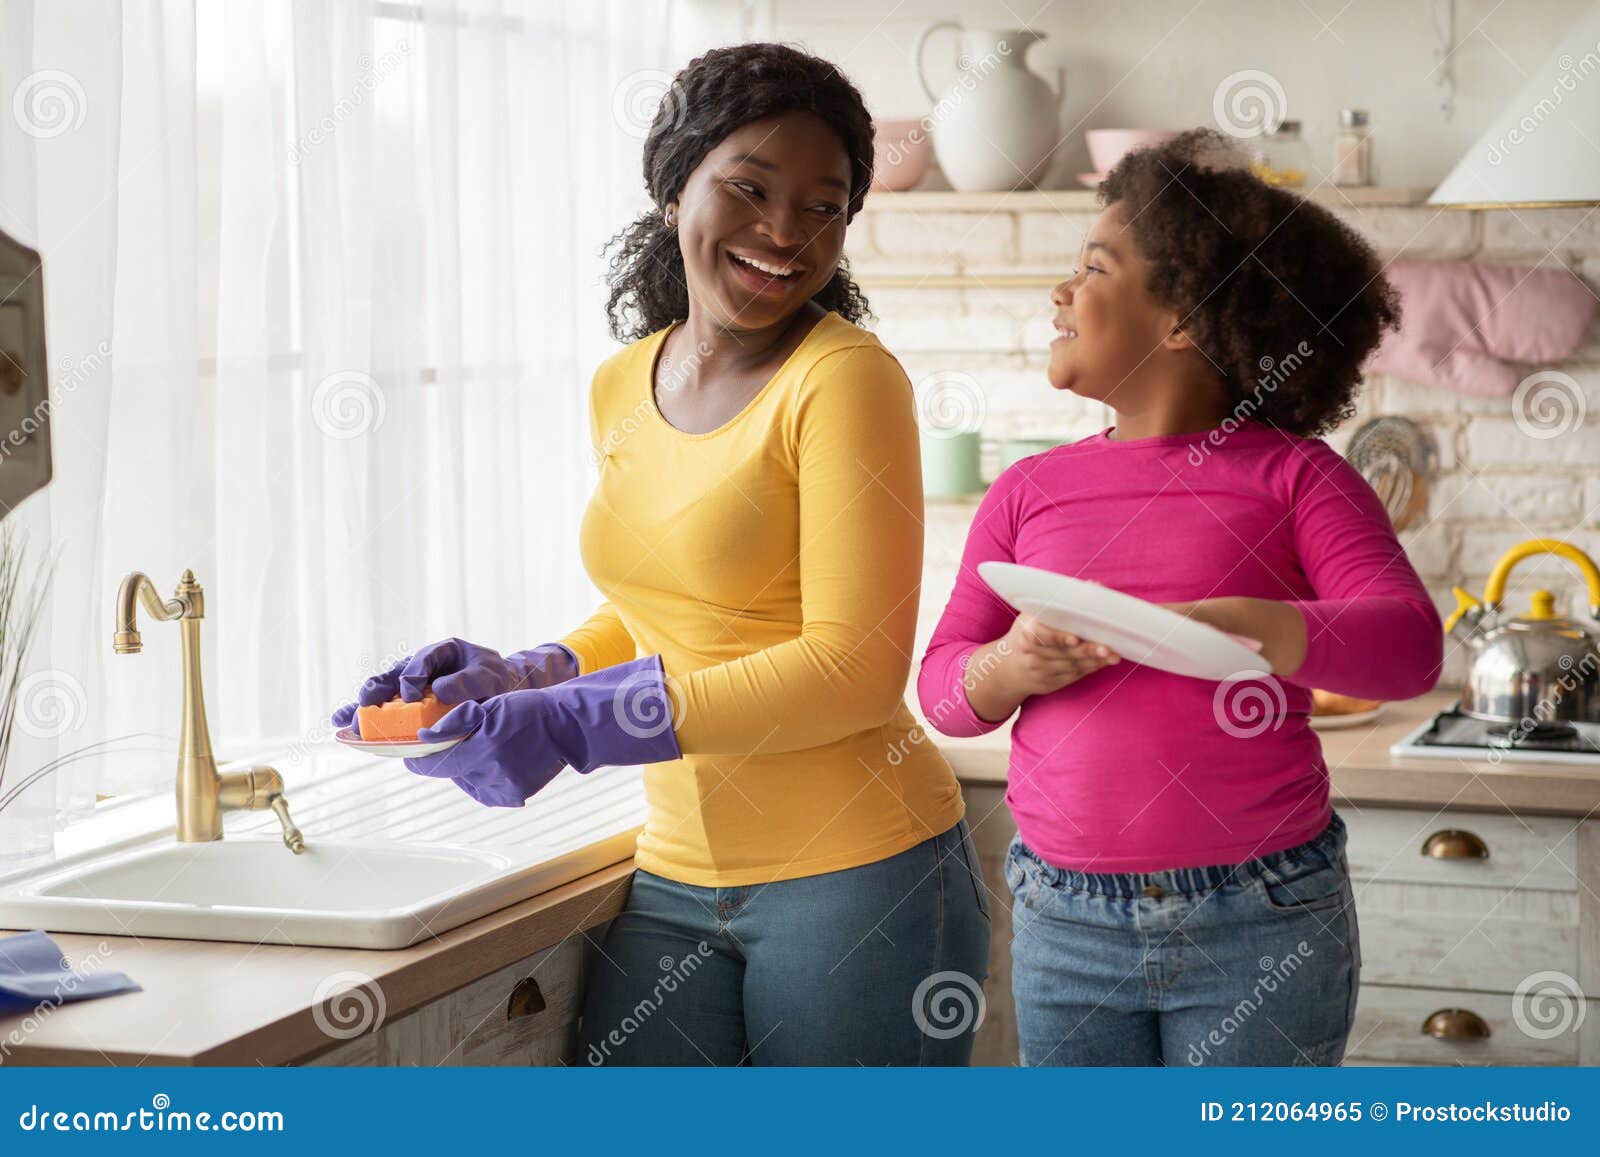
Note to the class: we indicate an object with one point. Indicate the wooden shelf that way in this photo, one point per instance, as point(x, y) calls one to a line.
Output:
point(1084, 200)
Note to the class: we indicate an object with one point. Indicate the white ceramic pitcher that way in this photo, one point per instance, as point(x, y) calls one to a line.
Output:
point(997, 124)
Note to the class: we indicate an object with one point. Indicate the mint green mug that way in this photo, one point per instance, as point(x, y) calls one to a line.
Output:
point(950, 464)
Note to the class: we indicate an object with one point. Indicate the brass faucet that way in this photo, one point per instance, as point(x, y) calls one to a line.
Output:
point(203, 792)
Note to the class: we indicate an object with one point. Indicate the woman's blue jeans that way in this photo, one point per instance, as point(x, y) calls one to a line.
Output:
point(1248, 964)
point(882, 964)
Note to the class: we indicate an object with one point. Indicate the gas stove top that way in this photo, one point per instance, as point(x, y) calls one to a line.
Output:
point(1452, 735)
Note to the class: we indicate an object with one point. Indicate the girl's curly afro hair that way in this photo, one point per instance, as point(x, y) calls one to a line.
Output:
point(715, 94)
point(1254, 271)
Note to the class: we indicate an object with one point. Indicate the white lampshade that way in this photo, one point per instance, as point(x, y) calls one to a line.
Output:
point(1544, 149)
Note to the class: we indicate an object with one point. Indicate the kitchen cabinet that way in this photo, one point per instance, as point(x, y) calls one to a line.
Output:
point(1491, 939)
point(1388, 1032)
point(523, 1014)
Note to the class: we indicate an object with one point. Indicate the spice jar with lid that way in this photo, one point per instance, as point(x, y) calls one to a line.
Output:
point(1281, 157)
point(1352, 149)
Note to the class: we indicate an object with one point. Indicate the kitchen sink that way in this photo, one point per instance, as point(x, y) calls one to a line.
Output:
point(389, 860)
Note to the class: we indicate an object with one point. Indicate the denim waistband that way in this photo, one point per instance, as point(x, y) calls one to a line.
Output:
point(1188, 881)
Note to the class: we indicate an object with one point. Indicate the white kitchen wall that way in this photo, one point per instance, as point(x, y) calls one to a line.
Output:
point(1157, 63)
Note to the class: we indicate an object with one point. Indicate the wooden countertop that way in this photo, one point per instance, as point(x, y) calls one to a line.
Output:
point(220, 1003)
point(1363, 771)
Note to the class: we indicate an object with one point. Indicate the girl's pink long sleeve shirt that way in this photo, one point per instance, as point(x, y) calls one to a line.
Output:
point(1132, 769)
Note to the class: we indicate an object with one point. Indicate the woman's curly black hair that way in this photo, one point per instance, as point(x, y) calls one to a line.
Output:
point(715, 94)
point(1254, 271)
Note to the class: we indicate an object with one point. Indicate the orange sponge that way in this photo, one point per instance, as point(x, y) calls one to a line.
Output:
point(398, 719)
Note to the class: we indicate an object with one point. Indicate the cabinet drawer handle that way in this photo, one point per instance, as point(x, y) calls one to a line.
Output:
point(526, 999)
point(1456, 1024)
point(1452, 844)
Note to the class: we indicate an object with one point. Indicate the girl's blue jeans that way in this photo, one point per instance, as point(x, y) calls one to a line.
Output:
point(1245, 964)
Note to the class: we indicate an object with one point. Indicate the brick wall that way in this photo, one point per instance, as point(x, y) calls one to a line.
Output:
point(1499, 484)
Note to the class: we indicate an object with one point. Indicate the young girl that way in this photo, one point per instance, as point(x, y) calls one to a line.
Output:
point(1181, 892)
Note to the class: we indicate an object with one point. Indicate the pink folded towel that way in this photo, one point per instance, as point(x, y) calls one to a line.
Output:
point(1471, 327)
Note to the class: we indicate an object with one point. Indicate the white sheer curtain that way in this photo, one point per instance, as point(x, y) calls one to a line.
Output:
point(326, 278)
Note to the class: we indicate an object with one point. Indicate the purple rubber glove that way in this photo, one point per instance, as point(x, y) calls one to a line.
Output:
point(460, 671)
point(518, 742)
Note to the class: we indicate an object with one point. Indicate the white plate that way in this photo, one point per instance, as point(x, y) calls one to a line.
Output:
point(1139, 631)
point(1355, 719)
point(398, 748)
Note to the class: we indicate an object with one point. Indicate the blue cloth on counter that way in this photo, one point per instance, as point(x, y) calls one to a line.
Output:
point(33, 972)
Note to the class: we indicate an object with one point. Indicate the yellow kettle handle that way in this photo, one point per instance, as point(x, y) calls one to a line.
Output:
point(1495, 591)
point(1464, 603)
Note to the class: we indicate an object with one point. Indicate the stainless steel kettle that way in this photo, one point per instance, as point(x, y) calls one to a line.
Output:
point(1536, 670)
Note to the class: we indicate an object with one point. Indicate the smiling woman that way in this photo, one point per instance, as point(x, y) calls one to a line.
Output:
point(756, 529)
point(757, 533)
point(744, 128)
point(759, 536)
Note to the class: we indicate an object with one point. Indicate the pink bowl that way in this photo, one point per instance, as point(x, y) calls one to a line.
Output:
point(901, 152)
point(1108, 146)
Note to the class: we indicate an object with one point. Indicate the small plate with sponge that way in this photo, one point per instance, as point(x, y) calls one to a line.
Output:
point(391, 728)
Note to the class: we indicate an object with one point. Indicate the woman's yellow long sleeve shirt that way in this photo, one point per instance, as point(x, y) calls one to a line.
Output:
point(774, 563)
